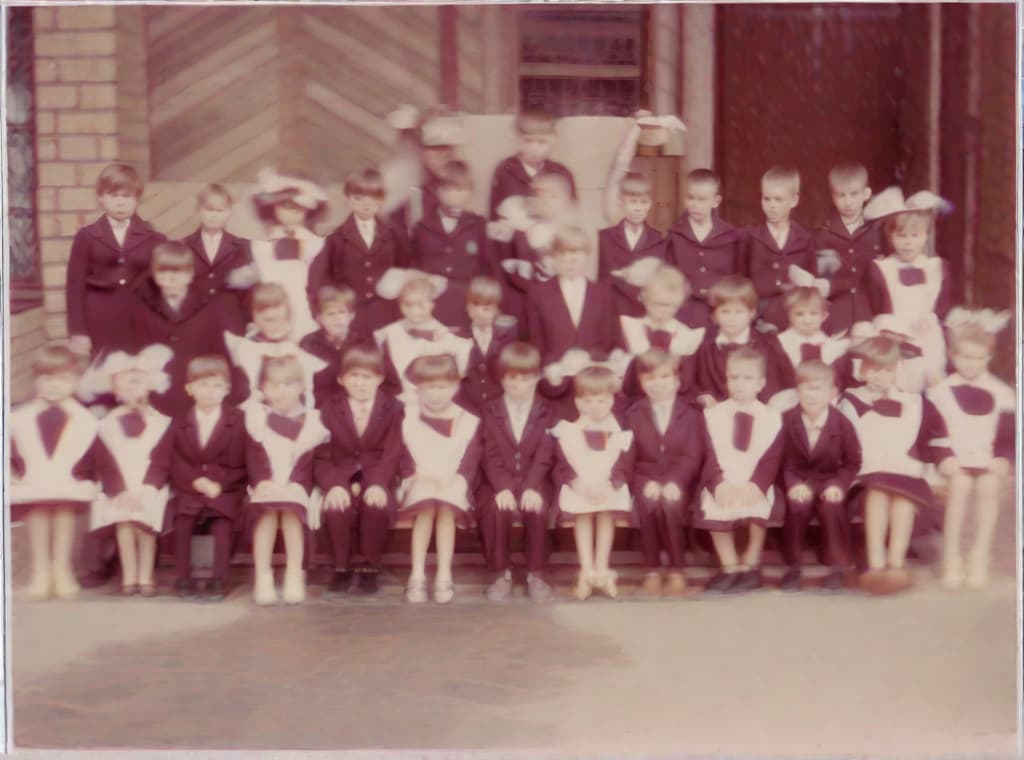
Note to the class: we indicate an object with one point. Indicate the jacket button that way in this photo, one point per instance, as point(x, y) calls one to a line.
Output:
point(369, 295)
point(700, 253)
point(851, 250)
point(703, 291)
point(121, 282)
point(775, 265)
point(703, 269)
point(448, 250)
point(369, 279)
point(853, 269)
point(120, 259)
point(213, 290)
point(367, 264)
point(779, 283)
point(853, 290)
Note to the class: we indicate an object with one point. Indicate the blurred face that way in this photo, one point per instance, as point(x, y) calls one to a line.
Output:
point(119, 204)
point(214, 212)
point(289, 214)
point(733, 317)
point(335, 319)
point(365, 207)
point(637, 207)
point(970, 359)
point(173, 283)
point(849, 198)
point(535, 149)
point(417, 307)
point(877, 378)
point(661, 384)
point(807, 318)
point(208, 392)
point(436, 157)
point(283, 390)
point(778, 199)
point(131, 387)
point(56, 386)
point(453, 198)
point(482, 314)
point(436, 396)
point(701, 199)
point(660, 305)
point(595, 407)
point(815, 396)
point(549, 200)
point(519, 385)
point(744, 379)
point(360, 384)
point(274, 323)
point(909, 242)
point(570, 264)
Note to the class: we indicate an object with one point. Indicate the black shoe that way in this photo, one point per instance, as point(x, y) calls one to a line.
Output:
point(722, 581)
point(748, 580)
point(187, 588)
point(340, 582)
point(368, 582)
point(215, 590)
point(791, 580)
point(835, 580)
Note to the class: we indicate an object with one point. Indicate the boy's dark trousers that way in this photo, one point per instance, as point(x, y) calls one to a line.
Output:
point(496, 527)
point(222, 530)
point(660, 528)
point(835, 530)
point(99, 556)
point(361, 525)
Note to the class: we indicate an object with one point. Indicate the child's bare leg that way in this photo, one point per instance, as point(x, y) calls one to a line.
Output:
point(755, 543)
point(956, 505)
point(65, 583)
point(263, 539)
point(129, 556)
point(986, 504)
point(444, 542)
point(294, 582)
point(422, 528)
point(900, 527)
point(725, 547)
point(605, 537)
point(583, 532)
point(147, 556)
point(38, 521)
point(876, 526)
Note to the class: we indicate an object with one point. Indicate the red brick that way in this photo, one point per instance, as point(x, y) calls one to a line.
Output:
point(97, 95)
point(87, 70)
point(86, 17)
point(87, 123)
point(108, 148)
point(46, 199)
point(74, 44)
point(78, 148)
point(76, 198)
point(86, 173)
point(56, 96)
point(46, 149)
point(47, 225)
point(69, 224)
point(54, 251)
point(44, 18)
point(46, 122)
point(45, 71)
point(60, 175)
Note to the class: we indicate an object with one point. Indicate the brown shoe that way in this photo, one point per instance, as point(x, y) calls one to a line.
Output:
point(896, 580)
point(872, 581)
point(651, 586)
point(675, 584)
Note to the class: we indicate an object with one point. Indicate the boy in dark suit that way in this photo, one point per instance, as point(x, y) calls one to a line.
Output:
point(490, 333)
point(820, 460)
point(335, 309)
point(518, 455)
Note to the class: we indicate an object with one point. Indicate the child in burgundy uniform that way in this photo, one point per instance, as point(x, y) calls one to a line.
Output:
point(281, 437)
point(335, 310)
point(852, 243)
point(452, 242)
point(353, 468)
point(629, 240)
point(743, 457)
point(52, 468)
point(899, 433)
point(593, 468)
point(290, 206)
point(439, 463)
point(518, 454)
point(222, 261)
point(207, 475)
point(132, 462)
point(668, 435)
point(776, 245)
point(108, 257)
point(490, 333)
point(979, 411)
point(820, 460)
point(361, 250)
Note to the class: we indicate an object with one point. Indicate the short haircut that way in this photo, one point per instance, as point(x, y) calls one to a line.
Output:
point(268, 295)
point(730, 288)
point(363, 357)
point(570, 239)
point(202, 367)
point(55, 359)
point(285, 367)
point(535, 123)
point(898, 222)
point(335, 295)
point(668, 280)
point(802, 296)
point(787, 175)
point(457, 174)
point(365, 182)
point(841, 174)
point(655, 358)
point(550, 179)
point(747, 354)
point(815, 370)
point(519, 358)
point(484, 290)
point(704, 175)
point(635, 183)
point(433, 369)
point(415, 284)
point(880, 350)
point(971, 333)
point(214, 188)
point(119, 177)
point(172, 257)
point(594, 381)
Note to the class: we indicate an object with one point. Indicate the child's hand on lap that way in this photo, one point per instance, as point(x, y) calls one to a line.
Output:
point(800, 492)
point(833, 494)
point(949, 467)
point(505, 500)
point(652, 490)
point(671, 492)
point(706, 400)
point(376, 497)
point(531, 501)
point(337, 498)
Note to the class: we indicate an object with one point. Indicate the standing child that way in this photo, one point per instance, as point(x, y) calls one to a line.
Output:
point(208, 475)
point(490, 333)
point(899, 433)
point(52, 468)
point(518, 454)
point(108, 257)
point(353, 469)
point(282, 435)
point(979, 411)
point(777, 244)
point(821, 458)
point(593, 467)
point(335, 311)
point(222, 261)
point(702, 245)
point(744, 454)
point(669, 436)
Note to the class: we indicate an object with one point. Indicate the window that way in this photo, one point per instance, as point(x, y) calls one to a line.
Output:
point(24, 270)
point(582, 60)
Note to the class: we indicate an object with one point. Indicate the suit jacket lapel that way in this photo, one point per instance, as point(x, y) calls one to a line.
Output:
point(103, 232)
point(195, 242)
point(137, 234)
point(218, 435)
point(648, 238)
point(619, 236)
point(355, 237)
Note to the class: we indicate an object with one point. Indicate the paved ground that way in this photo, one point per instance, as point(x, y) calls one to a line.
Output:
point(928, 672)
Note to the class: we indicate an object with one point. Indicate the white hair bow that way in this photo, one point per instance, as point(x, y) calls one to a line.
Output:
point(989, 320)
point(804, 279)
point(307, 194)
point(891, 201)
point(639, 273)
point(390, 284)
point(575, 360)
point(98, 379)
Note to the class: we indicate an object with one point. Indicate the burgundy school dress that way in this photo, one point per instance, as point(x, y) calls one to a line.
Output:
point(221, 459)
point(481, 385)
point(402, 343)
point(715, 350)
point(980, 416)
point(704, 262)
point(51, 457)
point(768, 267)
point(324, 348)
point(797, 348)
point(614, 253)
point(638, 335)
point(101, 275)
point(211, 277)
point(848, 301)
point(511, 178)
point(594, 453)
point(286, 259)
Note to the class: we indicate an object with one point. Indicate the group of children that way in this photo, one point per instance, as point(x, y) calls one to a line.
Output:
point(440, 370)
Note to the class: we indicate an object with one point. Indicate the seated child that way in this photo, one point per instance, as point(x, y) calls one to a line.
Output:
point(669, 436)
point(108, 257)
point(899, 433)
point(490, 333)
point(353, 469)
point(821, 457)
point(52, 471)
point(452, 242)
point(852, 242)
point(702, 245)
point(335, 310)
point(282, 435)
point(518, 454)
point(979, 411)
point(207, 474)
point(772, 247)
point(593, 468)
point(629, 240)
point(221, 260)
point(742, 461)
point(439, 463)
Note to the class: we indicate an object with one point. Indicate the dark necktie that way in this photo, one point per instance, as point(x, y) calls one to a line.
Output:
point(976, 402)
point(809, 351)
point(289, 427)
point(132, 423)
point(912, 276)
point(441, 425)
point(286, 249)
point(51, 424)
point(742, 428)
point(597, 440)
point(886, 407)
point(659, 338)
